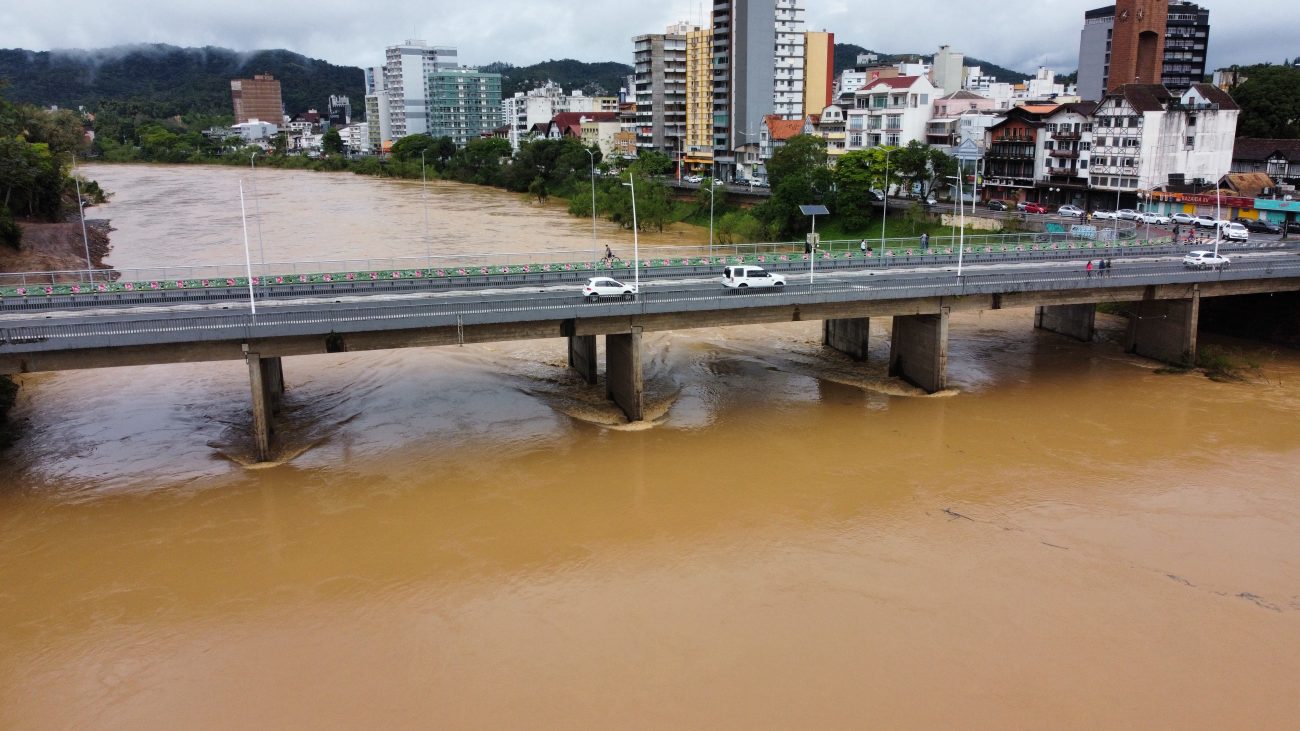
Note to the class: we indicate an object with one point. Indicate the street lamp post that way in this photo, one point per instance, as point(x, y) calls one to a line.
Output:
point(248, 257)
point(711, 189)
point(961, 242)
point(594, 253)
point(424, 195)
point(81, 214)
point(636, 250)
point(885, 212)
point(257, 214)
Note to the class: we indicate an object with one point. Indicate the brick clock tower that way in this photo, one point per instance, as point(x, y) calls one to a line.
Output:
point(1137, 47)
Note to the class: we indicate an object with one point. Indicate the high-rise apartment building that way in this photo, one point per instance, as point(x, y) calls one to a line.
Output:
point(788, 76)
point(699, 98)
point(378, 128)
point(758, 52)
point(258, 99)
point(818, 71)
point(463, 104)
point(406, 71)
point(659, 68)
point(947, 70)
point(1111, 46)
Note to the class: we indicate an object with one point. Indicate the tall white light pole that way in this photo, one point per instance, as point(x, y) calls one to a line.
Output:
point(636, 251)
point(257, 214)
point(594, 253)
point(424, 193)
point(711, 189)
point(961, 241)
point(1218, 216)
point(248, 257)
point(81, 213)
point(885, 213)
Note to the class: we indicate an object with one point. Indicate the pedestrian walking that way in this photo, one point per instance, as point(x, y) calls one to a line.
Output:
point(1109, 264)
point(925, 241)
point(863, 247)
point(1088, 269)
point(1176, 232)
point(609, 255)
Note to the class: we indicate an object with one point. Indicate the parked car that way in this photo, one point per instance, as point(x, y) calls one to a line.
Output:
point(692, 178)
point(1205, 260)
point(1126, 214)
point(1031, 207)
point(598, 288)
point(1204, 222)
point(1234, 232)
point(1259, 225)
point(1071, 211)
point(744, 277)
point(1292, 227)
point(1183, 219)
point(1105, 215)
point(996, 205)
point(1152, 217)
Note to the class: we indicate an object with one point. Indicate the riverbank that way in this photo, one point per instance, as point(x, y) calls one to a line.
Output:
point(49, 247)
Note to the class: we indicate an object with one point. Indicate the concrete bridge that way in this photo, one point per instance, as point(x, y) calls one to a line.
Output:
point(1161, 297)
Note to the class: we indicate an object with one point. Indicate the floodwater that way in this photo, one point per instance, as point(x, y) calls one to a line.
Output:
point(471, 538)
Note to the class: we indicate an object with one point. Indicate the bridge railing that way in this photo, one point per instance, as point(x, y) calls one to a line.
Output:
point(478, 266)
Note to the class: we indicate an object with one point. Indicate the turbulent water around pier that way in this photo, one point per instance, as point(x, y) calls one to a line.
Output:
point(471, 537)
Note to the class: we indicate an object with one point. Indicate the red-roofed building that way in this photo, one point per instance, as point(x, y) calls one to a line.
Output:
point(890, 112)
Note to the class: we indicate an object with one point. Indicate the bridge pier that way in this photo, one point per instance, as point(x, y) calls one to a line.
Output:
point(850, 336)
point(918, 350)
point(1165, 330)
point(582, 356)
point(624, 383)
point(1075, 321)
point(266, 377)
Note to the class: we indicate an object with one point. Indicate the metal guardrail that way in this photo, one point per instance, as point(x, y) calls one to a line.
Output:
point(575, 259)
point(458, 311)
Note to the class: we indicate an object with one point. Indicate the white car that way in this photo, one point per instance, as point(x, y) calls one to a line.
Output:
point(1205, 260)
point(598, 288)
point(1149, 217)
point(1126, 214)
point(744, 277)
point(1205, 222)
point(1072, 211)
point(1183, 219)
point(1106, 215)
point(692, 178)
point(1235, 232)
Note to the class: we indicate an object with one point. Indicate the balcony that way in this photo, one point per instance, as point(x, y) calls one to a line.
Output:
point(1071, 154)
point(1068, 135)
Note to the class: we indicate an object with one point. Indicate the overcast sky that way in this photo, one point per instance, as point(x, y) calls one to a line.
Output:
point(1020, 36)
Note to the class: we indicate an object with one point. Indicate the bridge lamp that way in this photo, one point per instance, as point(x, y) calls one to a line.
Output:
point(636, 250)
point(813, 211)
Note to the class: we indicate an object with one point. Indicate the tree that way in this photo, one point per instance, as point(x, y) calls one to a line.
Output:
point(799, 176)
point(1270, 104)
point(332, 142)
point(652, 162)
point(408, 148)
point(856, 175)
point(537, 188)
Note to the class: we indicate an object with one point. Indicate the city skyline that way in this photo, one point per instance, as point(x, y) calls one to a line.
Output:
point(347, 34)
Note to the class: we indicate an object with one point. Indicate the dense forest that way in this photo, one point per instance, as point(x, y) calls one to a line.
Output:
point(594, 79)
point(164, 81)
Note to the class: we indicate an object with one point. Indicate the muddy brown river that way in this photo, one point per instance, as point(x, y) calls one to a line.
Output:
point(472, 538)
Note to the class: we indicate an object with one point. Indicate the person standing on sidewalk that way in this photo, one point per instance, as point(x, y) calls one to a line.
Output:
point(1088, 269)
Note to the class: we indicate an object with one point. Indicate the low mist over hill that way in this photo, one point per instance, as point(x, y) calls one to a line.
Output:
point(167, 80)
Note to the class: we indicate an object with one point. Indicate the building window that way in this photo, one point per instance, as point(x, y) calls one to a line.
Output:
point(1190, 142)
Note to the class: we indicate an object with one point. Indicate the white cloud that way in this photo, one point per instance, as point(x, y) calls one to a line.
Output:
point(527, 31)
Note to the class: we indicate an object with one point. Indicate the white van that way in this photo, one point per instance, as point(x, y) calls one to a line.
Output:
point(744, 277)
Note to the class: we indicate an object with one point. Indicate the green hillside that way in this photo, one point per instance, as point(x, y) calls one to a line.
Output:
point(165, 81)
point(593, 79)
